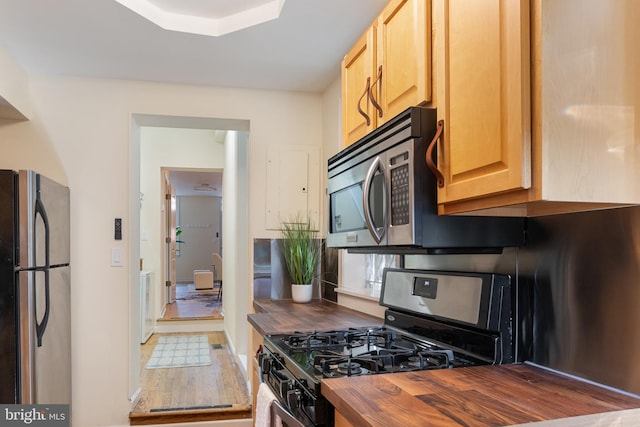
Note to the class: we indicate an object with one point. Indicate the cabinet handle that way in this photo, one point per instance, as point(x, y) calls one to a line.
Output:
point(371, 97)
point(366, 91)
point(429, 156)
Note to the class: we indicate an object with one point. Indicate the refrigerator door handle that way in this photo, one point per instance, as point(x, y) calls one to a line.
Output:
point(40, 210)
point(42, 326)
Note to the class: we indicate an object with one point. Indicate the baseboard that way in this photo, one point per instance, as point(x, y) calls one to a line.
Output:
point(232, 348)
point(242, 358)
point(192, 416)
point(135, 397)
point(245, 422)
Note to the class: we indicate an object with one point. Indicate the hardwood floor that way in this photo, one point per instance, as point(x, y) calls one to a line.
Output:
point(201, 393)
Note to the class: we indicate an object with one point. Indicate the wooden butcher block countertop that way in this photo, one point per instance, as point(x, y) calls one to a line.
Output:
point(287, 317)
point(497, 395)
point(476, 396)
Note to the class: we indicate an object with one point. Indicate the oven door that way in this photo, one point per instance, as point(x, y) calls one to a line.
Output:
point(358, 205)
point(279, 411)
point(295, 405)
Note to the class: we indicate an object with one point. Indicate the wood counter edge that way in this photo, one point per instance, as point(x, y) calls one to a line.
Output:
point(346, 317)
point(621, 404)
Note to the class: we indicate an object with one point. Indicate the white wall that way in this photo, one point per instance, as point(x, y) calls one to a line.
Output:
point(169, 148)
point(80, 134)
point(237, 211)
point(199, 218)
point(332, 136)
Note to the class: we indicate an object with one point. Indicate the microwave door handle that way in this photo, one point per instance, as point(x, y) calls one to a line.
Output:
point(375, 166)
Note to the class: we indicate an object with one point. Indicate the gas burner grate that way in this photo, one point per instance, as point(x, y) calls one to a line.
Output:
point(340, 340)
point(331, 365)
point(314, 341)
point(423, 360)
point(382, 361)
point(376, 337)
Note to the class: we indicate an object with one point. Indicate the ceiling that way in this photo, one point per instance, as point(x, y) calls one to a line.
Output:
point(299, 51)
point(184, 181)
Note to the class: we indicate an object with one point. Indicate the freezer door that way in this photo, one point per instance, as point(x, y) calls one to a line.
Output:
point(45, 362)
point(44, 218)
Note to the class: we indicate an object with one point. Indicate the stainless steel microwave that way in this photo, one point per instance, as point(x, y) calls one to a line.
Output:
point(382, 197)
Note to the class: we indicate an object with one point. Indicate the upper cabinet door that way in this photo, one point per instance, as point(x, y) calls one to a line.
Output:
point(403, 72)
point(487, 133)
point(388, 69)
point(358, 117)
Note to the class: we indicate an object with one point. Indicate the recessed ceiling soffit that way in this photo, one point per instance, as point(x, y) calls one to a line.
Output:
point(206, 17)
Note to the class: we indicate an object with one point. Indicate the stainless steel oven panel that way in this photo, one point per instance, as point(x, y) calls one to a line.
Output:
point(450, 297)
point(482, 300)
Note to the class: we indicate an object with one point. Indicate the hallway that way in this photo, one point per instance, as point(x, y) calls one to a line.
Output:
point(196, 393)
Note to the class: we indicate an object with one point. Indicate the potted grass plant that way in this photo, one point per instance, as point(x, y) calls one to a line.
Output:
point(301, 253)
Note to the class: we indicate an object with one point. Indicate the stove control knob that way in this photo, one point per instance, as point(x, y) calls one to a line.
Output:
point(265, 363)
point(294, 399)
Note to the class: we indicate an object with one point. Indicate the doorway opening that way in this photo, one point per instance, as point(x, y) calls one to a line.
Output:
point(175, 139)
point(193, 241)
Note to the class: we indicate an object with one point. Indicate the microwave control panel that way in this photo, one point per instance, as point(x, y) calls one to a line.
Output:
point(400, 199)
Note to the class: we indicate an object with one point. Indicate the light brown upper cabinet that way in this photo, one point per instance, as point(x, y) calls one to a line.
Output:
point(540, 101)
point(487, 117)
point(388, 69)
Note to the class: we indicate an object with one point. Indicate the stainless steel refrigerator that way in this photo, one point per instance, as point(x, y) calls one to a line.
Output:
point(35, 293)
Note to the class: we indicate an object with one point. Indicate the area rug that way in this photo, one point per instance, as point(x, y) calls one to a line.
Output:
point(208, 298)
point(191, 304)
point(180, 351)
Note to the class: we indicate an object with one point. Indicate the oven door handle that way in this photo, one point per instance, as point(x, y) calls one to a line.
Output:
point(278, 410)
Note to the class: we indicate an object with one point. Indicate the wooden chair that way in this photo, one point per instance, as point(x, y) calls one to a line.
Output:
point(217, 271)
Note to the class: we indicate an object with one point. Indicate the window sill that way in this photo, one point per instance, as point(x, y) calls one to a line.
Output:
point(364, 293)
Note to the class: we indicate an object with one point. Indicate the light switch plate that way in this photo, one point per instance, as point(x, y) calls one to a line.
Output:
point(116, 257)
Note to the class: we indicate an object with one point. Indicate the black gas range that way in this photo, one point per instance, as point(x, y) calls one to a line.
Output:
point(434, 320)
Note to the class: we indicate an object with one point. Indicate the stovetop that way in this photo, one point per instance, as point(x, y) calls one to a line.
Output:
point(434, 320)
point(365, 351)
